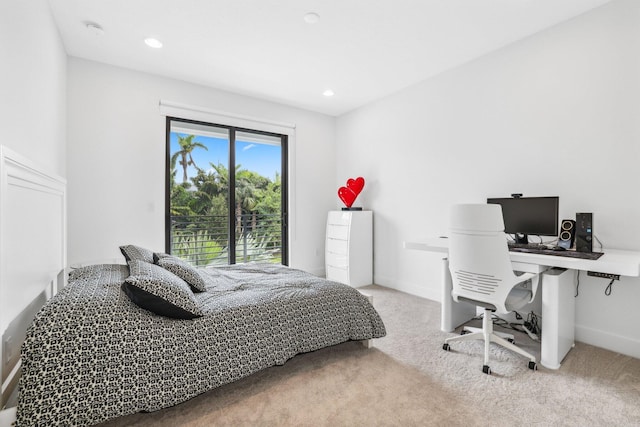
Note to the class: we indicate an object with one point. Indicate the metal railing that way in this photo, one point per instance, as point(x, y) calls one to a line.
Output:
point(203, 239)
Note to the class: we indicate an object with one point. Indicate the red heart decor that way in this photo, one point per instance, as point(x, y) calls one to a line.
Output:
point(349, 193)
point(347, 196)
point(355, 185)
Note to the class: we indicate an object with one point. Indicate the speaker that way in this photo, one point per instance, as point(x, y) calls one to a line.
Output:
point(567, 233)
point(584, 232)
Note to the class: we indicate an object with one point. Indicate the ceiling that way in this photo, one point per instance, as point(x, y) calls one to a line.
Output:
point(361, 49)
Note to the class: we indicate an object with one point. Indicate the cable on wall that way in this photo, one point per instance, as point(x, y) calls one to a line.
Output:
point(607, 290)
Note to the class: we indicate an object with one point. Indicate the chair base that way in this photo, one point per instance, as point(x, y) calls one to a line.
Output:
point(471, 330)
point(488, 335)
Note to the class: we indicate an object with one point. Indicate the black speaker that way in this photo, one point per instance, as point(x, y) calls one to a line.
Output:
point(584, 232)
point(567, 233)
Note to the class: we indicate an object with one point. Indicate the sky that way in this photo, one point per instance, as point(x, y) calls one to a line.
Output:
point(261, 158)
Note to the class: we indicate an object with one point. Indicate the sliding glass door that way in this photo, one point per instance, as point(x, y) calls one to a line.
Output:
point(226, 194)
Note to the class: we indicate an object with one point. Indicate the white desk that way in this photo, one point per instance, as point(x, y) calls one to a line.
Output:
point(558, 301)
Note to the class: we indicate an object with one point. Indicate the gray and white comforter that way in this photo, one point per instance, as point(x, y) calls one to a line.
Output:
point(91, 354)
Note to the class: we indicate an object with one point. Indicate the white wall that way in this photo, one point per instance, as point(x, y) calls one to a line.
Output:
point(32, 124)
point(32, 83)
point(554, 114)
point(116, 161)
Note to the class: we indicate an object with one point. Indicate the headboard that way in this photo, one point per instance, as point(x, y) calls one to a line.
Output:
point(33, 250)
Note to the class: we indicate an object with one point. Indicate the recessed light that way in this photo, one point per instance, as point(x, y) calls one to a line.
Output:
point(311, 18)
point(154, 43)
point(94, 28)
point(328, 93)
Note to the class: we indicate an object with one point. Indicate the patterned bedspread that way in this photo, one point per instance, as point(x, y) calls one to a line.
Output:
point(91, 354)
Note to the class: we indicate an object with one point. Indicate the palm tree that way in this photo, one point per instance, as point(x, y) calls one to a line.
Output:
point(222, 178)
point(187, 145)
point(245, 191)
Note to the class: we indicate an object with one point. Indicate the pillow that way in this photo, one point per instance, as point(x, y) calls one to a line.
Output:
point(132, 252)
point(160, 291)
point(182, 269)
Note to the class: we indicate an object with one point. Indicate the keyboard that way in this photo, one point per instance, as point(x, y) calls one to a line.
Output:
point(527, 245)
point(544, 250)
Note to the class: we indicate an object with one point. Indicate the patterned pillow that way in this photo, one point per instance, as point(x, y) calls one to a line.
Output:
point(132, 252)
point(181, 269)
point(160, 291)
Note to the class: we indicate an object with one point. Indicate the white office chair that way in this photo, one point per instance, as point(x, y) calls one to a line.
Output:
point(482, 274)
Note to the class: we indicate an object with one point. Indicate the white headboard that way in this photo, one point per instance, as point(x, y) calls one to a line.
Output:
point(33, 243)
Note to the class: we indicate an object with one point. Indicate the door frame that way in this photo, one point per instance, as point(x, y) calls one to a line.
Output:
point(284, 180)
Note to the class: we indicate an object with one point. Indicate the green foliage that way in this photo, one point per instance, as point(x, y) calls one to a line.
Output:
point(252, 248)
point(196, 247)
point(199, 210)
point(269, 200)
point(183, 157)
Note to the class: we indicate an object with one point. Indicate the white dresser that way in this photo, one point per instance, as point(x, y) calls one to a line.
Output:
point(349, 247)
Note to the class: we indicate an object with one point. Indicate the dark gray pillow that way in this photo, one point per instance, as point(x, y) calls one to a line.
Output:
point(160, 291)
point(132, 252)
point(182, 269)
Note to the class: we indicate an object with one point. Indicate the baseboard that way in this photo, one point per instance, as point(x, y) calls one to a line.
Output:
point(8, 417)
point(595, 337)
point(609, 341)
point(417, 289)
point(320, 272)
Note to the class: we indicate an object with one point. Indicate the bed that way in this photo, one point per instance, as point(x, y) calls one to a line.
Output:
point(93, 354)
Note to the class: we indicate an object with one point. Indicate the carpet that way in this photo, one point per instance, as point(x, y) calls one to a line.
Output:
point(406, 379)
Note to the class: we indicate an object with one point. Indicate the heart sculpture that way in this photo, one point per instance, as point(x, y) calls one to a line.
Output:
point(355, 185)
point(349, 193)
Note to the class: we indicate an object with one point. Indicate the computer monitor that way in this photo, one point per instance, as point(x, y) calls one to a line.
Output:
point(529, 215)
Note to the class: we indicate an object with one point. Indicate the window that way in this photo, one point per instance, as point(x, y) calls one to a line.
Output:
point(226, 194)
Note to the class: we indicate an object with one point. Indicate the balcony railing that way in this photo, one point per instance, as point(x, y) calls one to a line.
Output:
point(203, 239)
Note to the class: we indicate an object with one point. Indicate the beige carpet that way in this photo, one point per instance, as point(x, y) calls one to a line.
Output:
point(407, 379)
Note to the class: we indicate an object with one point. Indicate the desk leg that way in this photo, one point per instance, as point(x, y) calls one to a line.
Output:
point(558, 316)
point(453, 314)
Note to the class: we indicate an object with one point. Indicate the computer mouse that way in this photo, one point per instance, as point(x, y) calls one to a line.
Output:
point(559, 248)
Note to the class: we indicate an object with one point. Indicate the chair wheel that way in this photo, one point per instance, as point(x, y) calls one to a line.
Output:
point(446, 347)
point(486, 369)
point(533, 366)
point(511, 340)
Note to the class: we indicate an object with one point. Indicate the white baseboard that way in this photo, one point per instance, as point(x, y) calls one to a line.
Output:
point(595, 337)
point(417, 289)
point(8, 417)
point(320, 272)
point(609, 341)
point(620, 344)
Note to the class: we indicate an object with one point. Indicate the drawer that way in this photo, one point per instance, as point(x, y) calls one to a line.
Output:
point(337, 246)
point(338, 274)
point(339, 218)
point(336, 260)
point(340, 232)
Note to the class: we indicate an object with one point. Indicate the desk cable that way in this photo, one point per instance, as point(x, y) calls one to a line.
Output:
point(531, 326)
point(553, 242)
point(599, 242)
point(607, 290)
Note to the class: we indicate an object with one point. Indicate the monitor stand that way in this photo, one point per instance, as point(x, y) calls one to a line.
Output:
point(522, 238)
